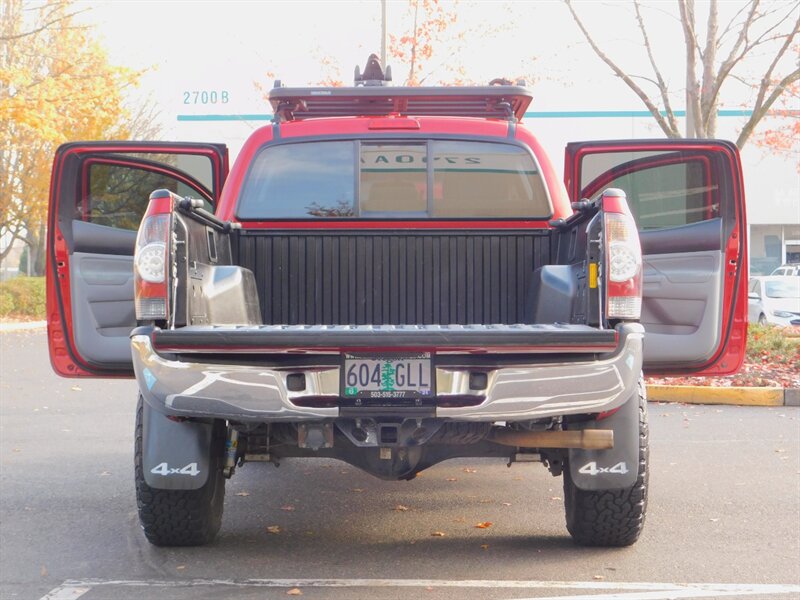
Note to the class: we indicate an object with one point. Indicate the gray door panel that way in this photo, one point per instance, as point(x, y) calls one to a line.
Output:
point(102, 305)
point(681, 306)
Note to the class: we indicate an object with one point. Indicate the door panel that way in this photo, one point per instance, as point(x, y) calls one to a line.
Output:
point(102, 295)
point(681, 305)
point(99, 192)
point(686, 197)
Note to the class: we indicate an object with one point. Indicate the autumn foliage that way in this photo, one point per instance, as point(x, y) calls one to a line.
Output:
point(415, 47)
point(56, 85)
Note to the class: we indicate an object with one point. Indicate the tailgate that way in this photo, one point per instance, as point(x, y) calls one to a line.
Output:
point(335, 338)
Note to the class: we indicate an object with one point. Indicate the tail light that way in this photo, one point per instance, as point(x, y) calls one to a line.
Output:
point(151, 259)
point(623, 258)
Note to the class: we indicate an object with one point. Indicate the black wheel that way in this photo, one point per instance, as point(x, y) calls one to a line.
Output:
point(610, 517)
point(762, 319)
point(181, 517)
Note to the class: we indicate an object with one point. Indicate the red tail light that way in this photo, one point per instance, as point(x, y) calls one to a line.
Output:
point(151, 259)
point(623, 258)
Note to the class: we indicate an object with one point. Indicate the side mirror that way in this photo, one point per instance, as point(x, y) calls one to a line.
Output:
point(753, 296)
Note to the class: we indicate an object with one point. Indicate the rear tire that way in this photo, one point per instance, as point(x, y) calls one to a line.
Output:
point(610, 517)
point(181, 517)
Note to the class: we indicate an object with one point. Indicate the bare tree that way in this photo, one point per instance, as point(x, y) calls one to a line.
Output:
point(754, 29)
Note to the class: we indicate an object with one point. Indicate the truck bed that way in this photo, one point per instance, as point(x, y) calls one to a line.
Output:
point(364, 277)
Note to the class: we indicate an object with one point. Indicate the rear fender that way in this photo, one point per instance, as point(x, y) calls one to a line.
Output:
point(618, 467)
point(176, 455)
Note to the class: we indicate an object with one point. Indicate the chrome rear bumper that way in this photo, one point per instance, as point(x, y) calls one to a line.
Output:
point(255, 393)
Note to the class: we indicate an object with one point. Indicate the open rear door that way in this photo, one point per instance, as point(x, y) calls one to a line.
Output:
point(98, 194)
point(687, 198)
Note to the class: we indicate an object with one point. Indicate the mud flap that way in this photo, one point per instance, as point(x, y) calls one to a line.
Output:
point(614, 469)
point(176, 455)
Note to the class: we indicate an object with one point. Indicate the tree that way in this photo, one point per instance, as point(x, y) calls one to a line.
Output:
point(782, 136)
point(431, 23)
point(753, 31)
point(56, 85)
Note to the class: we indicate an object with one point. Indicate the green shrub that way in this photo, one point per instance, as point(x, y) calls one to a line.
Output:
point(23, 297)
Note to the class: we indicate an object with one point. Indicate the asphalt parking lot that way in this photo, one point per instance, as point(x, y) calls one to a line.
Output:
point(723, 518)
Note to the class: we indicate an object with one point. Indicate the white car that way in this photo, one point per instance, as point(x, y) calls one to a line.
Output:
point(788, 269)
point(774, 299)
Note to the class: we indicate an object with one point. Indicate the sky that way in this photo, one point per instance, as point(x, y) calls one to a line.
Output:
point(204, 57)
point(219, 47)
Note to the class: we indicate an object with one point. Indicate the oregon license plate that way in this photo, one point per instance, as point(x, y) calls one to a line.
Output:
point(387, 376)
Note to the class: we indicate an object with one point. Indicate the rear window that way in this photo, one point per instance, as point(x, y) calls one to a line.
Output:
point(357, 179)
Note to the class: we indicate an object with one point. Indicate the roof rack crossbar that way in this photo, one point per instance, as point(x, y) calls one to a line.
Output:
point(493, 102)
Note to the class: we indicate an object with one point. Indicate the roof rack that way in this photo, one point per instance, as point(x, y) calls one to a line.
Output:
point(489, 102)
point(372, 97)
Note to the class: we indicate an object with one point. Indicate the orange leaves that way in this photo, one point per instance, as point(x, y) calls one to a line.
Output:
point(483, 525)
point(428, 35)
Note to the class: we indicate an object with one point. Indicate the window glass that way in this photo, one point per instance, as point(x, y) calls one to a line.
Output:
point(482, 179)
point(663, 190)
point(300, 181)
point(197, 166)
point(787, 288)
point(118, 194)
point(393, 179)
point(317, 179)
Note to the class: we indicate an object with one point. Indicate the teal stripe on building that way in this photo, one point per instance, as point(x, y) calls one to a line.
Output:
point(537, 114)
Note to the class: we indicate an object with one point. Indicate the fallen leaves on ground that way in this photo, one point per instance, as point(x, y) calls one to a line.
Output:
point(180, 567)
point(357, 490)
point(438, 534)
point(400, 508)
point(452, 479)
point(506, 503)
point(242, 493)
point(484, 546)
point(599, 577)
point(287, 507)
point(772, 360)
point(295, 592)
point(276, 529)
point(483, 525)
point(468, 470)
point(76, 388)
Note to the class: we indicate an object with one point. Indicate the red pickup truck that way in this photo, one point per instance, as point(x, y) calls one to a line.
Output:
point(393, 277)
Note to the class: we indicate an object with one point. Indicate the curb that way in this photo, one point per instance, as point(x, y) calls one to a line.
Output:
point(20, 326)
point(739, 396)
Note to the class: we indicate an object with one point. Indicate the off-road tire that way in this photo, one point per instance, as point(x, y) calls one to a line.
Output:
point(610, 517)
point(181, 517)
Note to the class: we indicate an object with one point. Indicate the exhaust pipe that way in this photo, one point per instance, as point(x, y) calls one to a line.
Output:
point(585, 439)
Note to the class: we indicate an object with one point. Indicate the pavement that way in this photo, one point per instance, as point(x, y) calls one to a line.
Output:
point(722, 516)
point(22, 325)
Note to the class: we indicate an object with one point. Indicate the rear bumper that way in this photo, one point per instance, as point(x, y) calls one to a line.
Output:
point(530, 389)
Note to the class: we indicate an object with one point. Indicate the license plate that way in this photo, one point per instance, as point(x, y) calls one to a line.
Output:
point(387, 376)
